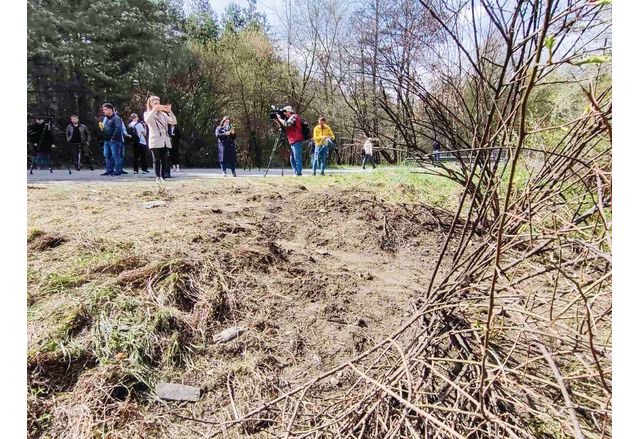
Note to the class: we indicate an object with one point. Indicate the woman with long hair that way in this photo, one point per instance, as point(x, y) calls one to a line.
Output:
point(226, 146)
point(158, 118)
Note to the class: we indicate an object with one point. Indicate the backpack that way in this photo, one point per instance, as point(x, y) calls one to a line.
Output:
point(131, 130)
point(306, 129)
point(145, 128)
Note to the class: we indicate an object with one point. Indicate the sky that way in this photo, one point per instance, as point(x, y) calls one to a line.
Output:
point(268, 7)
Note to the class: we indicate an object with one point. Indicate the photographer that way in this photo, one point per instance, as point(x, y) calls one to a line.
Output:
point(41, 139)
point(293, 127)
point(158, 117)
point(78, 136)
point(226, 146)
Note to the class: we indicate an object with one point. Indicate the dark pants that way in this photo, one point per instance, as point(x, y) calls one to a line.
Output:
point(229, 165)
point(140, 153)
point(160, 162)
point(82, 150)
point(174, 153)
point(369, 158)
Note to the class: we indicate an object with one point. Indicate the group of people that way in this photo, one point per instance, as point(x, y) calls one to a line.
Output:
point(158, 133)
point(323, 139)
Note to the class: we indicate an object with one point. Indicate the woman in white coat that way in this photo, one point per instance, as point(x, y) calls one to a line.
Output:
point(158, 117)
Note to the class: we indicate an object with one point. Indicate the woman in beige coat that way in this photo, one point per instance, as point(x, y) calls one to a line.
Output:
point(158, 117)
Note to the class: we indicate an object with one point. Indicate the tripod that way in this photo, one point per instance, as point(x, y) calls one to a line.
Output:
point(279, 141)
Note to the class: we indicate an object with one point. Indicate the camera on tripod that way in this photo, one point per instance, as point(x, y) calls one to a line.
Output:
point(275, 111)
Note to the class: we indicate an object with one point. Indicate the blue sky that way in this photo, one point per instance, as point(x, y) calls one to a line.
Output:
point(268, 7)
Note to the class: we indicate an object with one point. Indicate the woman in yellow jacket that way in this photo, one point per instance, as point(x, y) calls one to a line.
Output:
point(323, 137)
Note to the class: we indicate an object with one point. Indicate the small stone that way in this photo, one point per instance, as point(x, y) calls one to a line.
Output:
point(228, 334)
point(152, 204)
point(322, 252)
point(334, 381)
point(177, 392)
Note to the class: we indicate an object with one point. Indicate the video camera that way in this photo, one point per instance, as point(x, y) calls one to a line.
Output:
point(275, 111)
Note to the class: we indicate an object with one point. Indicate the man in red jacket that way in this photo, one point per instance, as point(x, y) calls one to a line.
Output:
point(293, 127)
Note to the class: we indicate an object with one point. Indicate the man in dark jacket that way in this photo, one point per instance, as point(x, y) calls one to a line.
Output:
point(41, 139)
point(78, 137)
point(113, 136)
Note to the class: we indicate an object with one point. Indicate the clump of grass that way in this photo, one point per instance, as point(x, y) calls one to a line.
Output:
point(38, 240)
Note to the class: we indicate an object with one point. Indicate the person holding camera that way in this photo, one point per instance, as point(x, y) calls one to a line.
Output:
point(226, 146)
point(323, 137)
point(41, 139)
point(112, 133)
point(293, 127)
point(367, 151)
point(78, 137)
point(158, 118)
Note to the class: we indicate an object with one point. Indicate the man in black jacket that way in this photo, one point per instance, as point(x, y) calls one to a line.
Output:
point(41, 139)
point(79, 137)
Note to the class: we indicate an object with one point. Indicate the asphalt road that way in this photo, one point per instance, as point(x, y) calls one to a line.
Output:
point(62, 175)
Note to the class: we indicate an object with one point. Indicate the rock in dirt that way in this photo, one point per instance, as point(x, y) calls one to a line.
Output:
point(229, 334)
point(152, 204)
point(177, 392)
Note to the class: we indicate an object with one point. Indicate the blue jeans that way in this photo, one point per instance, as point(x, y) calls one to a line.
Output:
point(296, 157)
point(113, 158)
point(119, 158)
point(43, 159)
point(320, 155)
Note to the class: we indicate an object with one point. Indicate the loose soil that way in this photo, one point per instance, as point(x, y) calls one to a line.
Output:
point(121, 297)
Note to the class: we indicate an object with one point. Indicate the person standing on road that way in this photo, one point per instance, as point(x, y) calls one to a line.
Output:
point(174, 133)
point(79, 137)
point(293, 127)
point(158, 118)
point(227, 156)
point(368, 153)
point(323, 137)
point(41, 139)
point(113, 139)
point(138, 133)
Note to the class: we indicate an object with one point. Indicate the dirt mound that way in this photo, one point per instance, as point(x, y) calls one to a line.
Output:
point(316, 275)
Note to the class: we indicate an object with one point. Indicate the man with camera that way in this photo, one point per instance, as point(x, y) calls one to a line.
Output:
point(41, 139)
point(79, 137)
point(293, 127)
